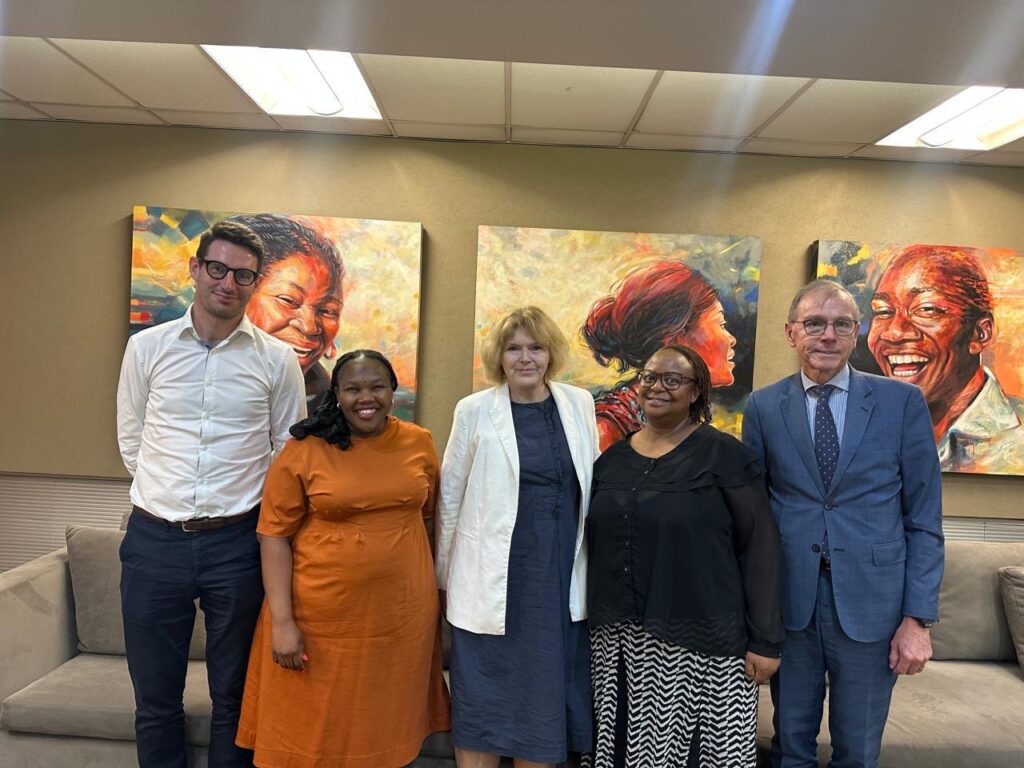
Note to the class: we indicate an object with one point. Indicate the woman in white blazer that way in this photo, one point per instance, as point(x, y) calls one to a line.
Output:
point(511, 553)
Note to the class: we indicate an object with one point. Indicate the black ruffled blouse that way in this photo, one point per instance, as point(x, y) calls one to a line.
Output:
point(686, 546)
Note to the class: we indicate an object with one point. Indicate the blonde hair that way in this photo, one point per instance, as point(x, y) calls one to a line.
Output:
point(536, 323)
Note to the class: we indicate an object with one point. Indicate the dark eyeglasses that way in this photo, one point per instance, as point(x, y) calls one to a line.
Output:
point(670, 381)
point(815, 326)
point(219, 271)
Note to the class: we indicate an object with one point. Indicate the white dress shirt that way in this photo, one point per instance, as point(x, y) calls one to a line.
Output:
point(197, 426)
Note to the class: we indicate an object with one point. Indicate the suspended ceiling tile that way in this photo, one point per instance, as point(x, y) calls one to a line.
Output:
point(693, 143)
point(100, 114)
point(332, 125)
point(590, 98)
point(703, 104)
point(558, 136)
point(450, 131)
point(917, 154)
point(33, 70)
point(798, 148)
point(218, 119)
point(423, 90)
point(854, 111)
point(12, 110)
point(162, 75)
point(133, 115)
point(997, 157)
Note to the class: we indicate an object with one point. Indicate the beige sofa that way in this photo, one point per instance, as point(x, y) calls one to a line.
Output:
point(67, 699)
point(967, 707)
point(66, 695)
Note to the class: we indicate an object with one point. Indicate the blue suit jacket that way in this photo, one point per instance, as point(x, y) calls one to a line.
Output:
point(883, 510)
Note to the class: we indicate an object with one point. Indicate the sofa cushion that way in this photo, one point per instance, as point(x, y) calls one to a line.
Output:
point(1011, 583)
point(91, 696)
point(954, 714)
point(95, 581)
point(972, 620)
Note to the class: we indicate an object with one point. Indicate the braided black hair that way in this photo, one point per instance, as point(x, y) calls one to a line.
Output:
point(327, 421)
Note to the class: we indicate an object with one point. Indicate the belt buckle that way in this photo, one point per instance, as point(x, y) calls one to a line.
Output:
point(185, 525)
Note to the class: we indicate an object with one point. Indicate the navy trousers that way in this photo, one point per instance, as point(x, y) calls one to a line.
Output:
point(859, 690)
point(163, 571)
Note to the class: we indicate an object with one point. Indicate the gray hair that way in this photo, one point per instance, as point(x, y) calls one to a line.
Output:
point(825, 285)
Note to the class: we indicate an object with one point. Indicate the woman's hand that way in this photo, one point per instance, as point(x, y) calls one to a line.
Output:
point(760, 668)
point(287, 646)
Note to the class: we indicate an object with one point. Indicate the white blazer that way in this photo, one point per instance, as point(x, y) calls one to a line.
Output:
point(479, 499)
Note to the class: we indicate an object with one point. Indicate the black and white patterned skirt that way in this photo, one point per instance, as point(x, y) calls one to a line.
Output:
point(670, 692)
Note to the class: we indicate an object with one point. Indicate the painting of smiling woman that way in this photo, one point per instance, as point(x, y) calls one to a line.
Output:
point(947, 319)
point(300, 294)
point(327, 284)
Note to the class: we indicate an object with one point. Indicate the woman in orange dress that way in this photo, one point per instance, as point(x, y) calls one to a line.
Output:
point(345, 669)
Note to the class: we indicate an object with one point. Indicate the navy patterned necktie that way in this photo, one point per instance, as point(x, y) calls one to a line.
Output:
point(826, 438)
point(826, 447)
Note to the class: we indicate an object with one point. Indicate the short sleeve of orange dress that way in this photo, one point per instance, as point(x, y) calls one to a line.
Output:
point(364, 596)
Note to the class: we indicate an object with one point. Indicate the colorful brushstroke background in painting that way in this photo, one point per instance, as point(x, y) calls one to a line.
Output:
point(859, 266)
point(381, 284)
point(565, 271)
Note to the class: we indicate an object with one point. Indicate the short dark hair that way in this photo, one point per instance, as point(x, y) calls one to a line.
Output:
point(700, 409)
point(965, 276)
point(327, 421)
point(359, 354)
point(283, 236)
point(235, 233)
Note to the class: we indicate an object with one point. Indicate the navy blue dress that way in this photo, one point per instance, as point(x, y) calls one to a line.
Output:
point(527, 693)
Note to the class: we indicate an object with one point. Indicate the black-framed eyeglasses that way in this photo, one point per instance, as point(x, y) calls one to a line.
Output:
point(670, 381)
point(815, 326)
point(219, 271)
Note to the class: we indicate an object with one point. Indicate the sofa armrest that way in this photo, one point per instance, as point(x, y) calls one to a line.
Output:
point(37, 632)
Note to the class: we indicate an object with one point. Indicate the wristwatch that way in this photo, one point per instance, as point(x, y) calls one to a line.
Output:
point(926, 623)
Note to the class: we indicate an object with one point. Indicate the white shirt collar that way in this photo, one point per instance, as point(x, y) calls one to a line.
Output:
point(186, 325)
point(840, 381)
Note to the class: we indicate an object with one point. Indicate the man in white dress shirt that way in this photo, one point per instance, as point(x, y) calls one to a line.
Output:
point(203, 404)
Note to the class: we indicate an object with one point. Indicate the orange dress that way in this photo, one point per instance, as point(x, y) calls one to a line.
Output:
point(364, 596)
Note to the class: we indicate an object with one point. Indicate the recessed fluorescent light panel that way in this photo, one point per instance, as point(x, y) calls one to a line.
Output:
point(285, 81)
point(978, 118)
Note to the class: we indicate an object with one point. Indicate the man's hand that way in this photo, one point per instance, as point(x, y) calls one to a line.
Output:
point(760, 668)
point(288, 646)
point(911, 647)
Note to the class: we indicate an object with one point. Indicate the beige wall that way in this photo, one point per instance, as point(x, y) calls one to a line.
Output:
point(67, 191)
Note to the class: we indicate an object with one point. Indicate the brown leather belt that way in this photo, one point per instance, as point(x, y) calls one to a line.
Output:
point(198, 524)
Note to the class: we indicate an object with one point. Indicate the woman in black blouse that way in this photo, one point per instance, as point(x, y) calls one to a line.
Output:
point(684, 582)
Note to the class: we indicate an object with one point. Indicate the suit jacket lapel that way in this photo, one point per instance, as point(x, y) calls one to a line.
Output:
point(794, 414)
point(501, 417)
point(567, 416)
point(859, 404)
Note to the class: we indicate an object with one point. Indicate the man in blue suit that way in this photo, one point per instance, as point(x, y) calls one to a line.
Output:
point(854, 480)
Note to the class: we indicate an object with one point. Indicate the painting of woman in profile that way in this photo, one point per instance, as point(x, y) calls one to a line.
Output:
point(620, 296)
point(656, 305)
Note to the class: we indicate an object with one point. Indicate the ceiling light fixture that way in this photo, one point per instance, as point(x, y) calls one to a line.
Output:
point(978, 118)
point(287, 81)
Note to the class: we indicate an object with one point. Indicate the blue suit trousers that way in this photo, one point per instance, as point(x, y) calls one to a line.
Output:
point(859, 684)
